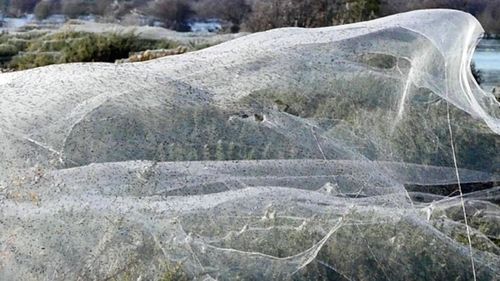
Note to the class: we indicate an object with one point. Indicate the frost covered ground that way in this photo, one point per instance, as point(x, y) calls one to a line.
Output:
point(358, 152)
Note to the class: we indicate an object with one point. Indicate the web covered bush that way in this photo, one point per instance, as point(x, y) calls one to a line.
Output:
point(358, 152)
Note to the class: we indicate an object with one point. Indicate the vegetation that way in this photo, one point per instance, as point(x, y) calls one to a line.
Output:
point(254, 15)
point(173, 13)
point(7, 50)
point(30, 50)
point(218, 134)
point(233, 11)
point(175, 273)
point(476, 73)
point(313, 13)
point(367, 245)
point(486, 230)
point(362, 243)
point(42, 10)
point(19, 7)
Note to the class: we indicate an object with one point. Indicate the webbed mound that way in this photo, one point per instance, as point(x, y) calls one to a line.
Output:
point(112, 172)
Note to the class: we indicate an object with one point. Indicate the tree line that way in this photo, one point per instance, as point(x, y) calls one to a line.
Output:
point(252, 15)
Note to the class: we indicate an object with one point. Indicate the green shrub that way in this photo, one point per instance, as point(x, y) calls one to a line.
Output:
point(7, 50)
point(4, 37)
point(20, 44)
point(32, 60)
point(30, 35)
point(39, 49)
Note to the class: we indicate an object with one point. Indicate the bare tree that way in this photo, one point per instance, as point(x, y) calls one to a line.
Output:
point(103, 7)
point(19, 7)
point(74, 8)
point(4, 4)
point(309, 13)
point(173, 13)
point(489, 17)
point(42, 9)
point(234, 11)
